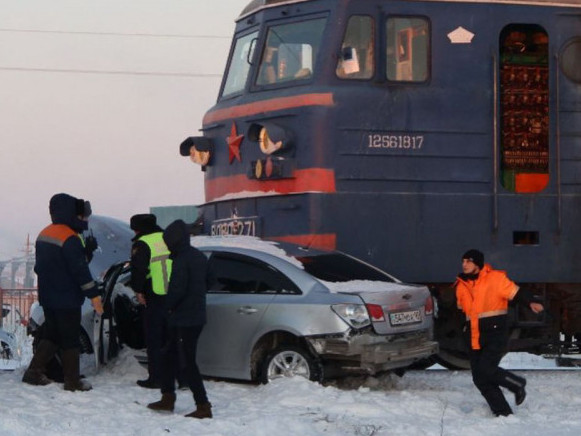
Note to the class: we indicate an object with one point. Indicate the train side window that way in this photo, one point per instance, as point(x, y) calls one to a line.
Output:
point(240, 64)
point(524, 108)
point(571, 60)
point(356, 57)
point(290, 52)
point(408, 49)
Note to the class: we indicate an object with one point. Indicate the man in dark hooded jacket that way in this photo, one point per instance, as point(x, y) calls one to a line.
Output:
point(64, 281)
point(185, 309)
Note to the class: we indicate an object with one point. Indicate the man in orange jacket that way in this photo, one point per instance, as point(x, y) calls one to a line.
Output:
point(483, 295)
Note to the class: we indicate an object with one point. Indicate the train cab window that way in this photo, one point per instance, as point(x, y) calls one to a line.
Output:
point(290, 52)
point(356, 57)
point(240, 64)
point(524, 108)
point(571, 60)
point(408, 49)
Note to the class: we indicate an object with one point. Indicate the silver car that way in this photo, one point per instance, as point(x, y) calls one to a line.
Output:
point(278, 309)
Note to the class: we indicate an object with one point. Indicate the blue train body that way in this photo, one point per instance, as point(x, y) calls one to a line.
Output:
point(404, 133)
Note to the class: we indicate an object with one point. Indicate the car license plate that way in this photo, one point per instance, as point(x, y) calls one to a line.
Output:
point(400, 318)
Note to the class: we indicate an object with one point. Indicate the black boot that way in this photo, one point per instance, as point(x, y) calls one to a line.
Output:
point(516, 385)
point(520, 395)
point(73, 382)
point(148, 383)
point(44, 352)
point(202, 411)
point(166, 404)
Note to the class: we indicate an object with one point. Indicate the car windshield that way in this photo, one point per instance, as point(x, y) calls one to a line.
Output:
point(337, 267)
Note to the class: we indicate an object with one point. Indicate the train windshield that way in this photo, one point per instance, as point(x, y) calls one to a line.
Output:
point(290, 52)
point(240, 64)
point(288, 56)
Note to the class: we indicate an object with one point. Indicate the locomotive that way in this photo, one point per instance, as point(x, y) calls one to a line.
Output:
point(405, 132)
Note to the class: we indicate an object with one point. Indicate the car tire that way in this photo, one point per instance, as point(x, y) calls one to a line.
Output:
point(290, 361)
point(423, 364)
point(5, 351)
point(454, 360)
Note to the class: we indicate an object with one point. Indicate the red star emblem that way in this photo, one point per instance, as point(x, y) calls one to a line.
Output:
point(234, 141)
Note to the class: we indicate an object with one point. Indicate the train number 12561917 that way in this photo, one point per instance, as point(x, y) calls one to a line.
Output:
point(410, 142)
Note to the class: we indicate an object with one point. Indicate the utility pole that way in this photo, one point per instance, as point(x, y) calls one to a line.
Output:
point(28, 277)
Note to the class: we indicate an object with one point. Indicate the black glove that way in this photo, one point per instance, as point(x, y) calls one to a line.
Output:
point(91, 245)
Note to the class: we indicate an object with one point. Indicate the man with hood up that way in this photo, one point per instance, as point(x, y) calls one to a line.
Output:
point(185, 310)
point(64, 281)
point(150, 272)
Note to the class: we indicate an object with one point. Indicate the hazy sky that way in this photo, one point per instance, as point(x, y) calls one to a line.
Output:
point(91, 106)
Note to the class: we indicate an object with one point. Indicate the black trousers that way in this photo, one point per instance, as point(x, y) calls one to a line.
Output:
point(155, 329)
point(179, 351)
point(488, 376)
point(62, 327)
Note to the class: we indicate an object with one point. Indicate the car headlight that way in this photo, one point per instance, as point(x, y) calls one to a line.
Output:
point(355, 315)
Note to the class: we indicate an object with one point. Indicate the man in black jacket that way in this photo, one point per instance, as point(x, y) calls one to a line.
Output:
point(150, 271)
point(185, 309)
point(64, 281)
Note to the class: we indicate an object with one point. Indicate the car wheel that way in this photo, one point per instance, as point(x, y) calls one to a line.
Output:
point(453, 359)
point(423, 363)
point(289, 361)
point(5, 351)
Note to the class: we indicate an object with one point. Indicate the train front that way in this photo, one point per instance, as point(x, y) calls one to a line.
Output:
point(268, 136)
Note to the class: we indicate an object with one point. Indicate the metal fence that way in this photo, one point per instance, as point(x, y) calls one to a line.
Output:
point(16, 305)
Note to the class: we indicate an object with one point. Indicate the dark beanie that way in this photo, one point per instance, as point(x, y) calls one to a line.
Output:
point(144, 222)
point(475, 256)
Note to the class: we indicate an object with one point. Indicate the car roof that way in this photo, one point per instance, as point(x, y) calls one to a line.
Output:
point(255, 246)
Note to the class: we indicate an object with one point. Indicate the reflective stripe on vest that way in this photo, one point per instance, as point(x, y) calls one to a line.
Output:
point(159, 263)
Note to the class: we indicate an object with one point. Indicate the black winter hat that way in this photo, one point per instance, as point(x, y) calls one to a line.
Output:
point(143, 222)
point(475, 256)
point(65, 209)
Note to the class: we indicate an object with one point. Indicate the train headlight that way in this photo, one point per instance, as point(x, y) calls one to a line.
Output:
point(200, 157)
point(270, 137)
point(198, 148)
point(267, 145)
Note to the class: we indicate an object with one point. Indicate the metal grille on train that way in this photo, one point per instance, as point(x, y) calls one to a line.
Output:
point(524, 82)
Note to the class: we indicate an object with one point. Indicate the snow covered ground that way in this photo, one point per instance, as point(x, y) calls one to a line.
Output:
point(432, 402)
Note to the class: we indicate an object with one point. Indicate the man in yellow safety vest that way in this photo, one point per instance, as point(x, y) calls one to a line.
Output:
point(150, 273)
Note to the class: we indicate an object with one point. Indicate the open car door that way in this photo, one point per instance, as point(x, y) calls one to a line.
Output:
point(106, 343)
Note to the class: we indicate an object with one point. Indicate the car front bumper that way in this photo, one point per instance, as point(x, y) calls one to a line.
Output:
point(370, 353)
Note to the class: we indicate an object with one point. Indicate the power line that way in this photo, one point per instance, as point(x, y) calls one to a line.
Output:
point(149, 35)
point(109, 72)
